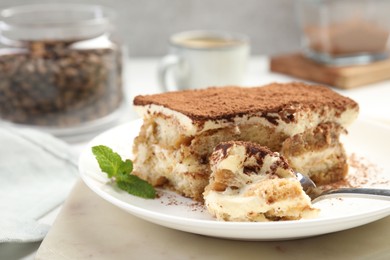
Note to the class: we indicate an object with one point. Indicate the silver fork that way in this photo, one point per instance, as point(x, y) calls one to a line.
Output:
point(316, 195)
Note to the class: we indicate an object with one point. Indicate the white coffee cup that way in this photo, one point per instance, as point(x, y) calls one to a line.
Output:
point(200, 59)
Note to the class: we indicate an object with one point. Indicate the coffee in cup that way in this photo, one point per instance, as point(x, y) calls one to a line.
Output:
point(200, 59)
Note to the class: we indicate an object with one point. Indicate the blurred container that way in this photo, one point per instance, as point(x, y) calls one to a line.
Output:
point(345, 32)
point(60, 67)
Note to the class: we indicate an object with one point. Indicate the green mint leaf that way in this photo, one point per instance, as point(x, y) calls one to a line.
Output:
point(109, 161)
point(137, 186)
point(126, 167)
point(120, 171)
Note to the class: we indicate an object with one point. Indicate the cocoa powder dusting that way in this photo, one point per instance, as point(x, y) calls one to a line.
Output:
point(168, 198)
point(268, 101)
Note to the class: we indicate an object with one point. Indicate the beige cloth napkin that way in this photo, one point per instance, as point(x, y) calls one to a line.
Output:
point(37, 172)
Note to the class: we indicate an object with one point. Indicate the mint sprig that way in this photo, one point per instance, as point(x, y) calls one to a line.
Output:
point(120, 171)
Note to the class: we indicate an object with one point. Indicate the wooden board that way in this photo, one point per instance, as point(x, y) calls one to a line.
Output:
point(342, 77)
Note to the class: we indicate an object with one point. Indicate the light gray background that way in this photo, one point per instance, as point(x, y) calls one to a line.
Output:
point(145, 25)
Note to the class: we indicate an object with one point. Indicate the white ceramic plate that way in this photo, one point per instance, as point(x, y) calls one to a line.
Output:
point(174, 211)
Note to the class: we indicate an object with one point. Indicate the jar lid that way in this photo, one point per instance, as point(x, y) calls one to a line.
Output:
point(54, 21)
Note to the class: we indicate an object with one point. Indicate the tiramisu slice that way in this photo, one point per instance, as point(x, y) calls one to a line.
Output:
point(249, 182)
point(181, 129)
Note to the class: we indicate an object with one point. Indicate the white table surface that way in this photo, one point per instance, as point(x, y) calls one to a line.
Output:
point(374, 101)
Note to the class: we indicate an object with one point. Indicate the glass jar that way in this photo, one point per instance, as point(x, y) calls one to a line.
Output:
point(345, 32)
point(60, 67)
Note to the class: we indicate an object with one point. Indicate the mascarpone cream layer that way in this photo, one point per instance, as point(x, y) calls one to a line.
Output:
point(303, 120)
point(242, 207)
point(319, 160)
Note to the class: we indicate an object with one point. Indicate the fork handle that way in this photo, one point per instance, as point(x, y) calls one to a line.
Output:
point(369, 193)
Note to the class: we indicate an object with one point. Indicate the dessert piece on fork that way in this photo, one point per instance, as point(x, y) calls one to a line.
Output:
point(249, 182)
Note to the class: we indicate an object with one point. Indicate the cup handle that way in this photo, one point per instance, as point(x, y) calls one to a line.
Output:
point(167, 64)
